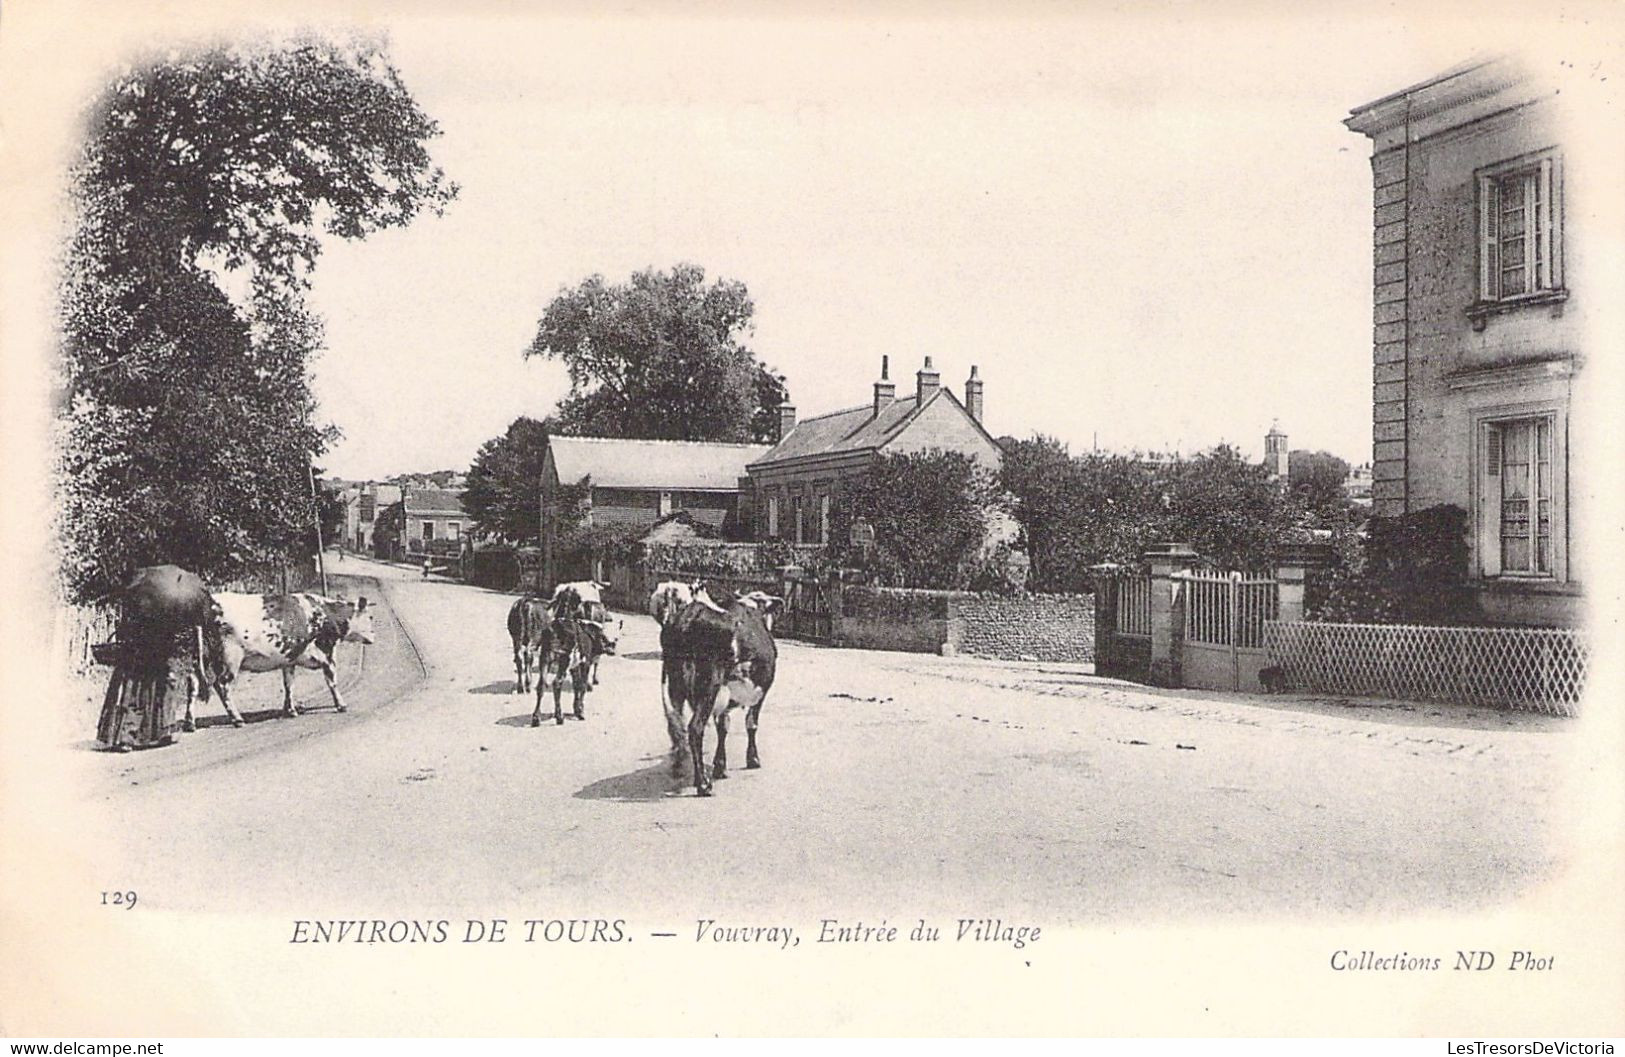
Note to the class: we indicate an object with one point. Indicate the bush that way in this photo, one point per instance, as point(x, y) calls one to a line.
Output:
point(1410, 569)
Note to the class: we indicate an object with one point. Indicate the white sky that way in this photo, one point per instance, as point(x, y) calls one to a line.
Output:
point(1149, 228)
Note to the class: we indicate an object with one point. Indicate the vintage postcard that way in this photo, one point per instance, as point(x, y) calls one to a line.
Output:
point(811, 520)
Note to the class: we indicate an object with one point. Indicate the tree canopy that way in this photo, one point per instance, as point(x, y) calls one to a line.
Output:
point(1080, 511)
point(929, 513)
point(207, 179)
point(504, 492)
point(1316, 479)
point(662, 356)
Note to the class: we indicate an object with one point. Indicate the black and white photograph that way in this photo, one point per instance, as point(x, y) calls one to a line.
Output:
point(1054, 519)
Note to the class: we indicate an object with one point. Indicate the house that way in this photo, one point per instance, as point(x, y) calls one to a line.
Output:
point(364, 501)
point(1480, 293)
point(795, 485)
point(424, 521)
point(638, 482)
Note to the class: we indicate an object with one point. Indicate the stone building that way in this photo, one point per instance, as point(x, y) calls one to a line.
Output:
point(795, 484)
point(364, 502)
point(1480, 292)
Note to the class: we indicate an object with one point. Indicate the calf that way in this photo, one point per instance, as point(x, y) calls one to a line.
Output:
point(715, 659)
point(269, 633)
point(527, 623)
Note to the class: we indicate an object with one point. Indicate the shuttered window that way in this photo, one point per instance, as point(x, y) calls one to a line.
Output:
point(1519, 230)
point(1517, 524)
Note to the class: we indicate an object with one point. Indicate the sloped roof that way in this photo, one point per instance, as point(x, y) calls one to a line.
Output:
point(692, 465)
point(854, 429)
point(433, 501)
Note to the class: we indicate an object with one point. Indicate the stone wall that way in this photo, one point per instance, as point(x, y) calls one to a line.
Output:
point(1027, 627)
point(885, 618)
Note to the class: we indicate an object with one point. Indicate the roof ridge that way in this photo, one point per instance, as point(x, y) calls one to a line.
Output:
point(661, 440)
point(849, 410)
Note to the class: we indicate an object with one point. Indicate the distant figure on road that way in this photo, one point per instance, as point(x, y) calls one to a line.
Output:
point(428, 567)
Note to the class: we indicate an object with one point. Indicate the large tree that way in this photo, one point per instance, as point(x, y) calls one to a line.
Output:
point(661, 356)
point(186, 420)
point(504, 492)
point(929, 515)
point(1316, 479)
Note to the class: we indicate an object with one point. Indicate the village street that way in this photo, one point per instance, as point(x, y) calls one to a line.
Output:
point(893, 785)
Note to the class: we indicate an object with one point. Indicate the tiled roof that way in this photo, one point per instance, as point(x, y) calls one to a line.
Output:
point(692, 465)
point(433, 501)
point(855, 429)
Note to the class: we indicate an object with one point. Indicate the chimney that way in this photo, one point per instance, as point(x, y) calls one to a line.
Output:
point(973, 394)
point(787, 419)
point(928, 382)
point(885, 389)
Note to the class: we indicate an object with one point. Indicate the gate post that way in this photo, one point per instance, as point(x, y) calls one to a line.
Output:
point(1167, 560)
point(1293, 564)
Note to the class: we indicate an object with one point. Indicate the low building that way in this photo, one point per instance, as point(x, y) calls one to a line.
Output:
point(423, 522)
point(796, 483)
point(1481, 292)
point(364, 502)
point(639, 482)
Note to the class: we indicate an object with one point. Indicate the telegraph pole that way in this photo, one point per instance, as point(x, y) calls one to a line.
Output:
point(316, 518)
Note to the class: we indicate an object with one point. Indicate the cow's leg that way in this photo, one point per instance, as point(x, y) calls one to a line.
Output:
point(330, 673)
point(583, 673)
point(558, 689)
point(288, 707)
point(707, 685)
point(519, 666)
point(719, 765)
point(225, 699)
point(674, 720)
point(536, 713)
point(752, 715)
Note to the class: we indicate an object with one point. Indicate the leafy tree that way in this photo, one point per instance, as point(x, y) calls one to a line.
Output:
point(929, 515)
point(504, 492)
point(1316, 479)
point(186, 421)
point(661, 356)
point(1080, 511)
point(1409, 569)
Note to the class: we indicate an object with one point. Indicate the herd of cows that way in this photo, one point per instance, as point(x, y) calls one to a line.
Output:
point(714, 657)
point(717, 650)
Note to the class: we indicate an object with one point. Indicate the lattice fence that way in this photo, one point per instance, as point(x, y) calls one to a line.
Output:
point(1534, 669)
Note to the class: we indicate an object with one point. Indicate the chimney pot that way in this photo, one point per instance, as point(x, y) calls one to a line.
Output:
point(885, 389)
point(927, 382)
point(787, 419)
point(973, 394)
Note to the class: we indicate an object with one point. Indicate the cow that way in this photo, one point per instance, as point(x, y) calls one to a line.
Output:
point(590, 606)
point(527, 620)
point(269, 633)
point(716, 658)
point(568, 644)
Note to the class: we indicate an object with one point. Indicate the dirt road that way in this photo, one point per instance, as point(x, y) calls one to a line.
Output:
point(892, 783)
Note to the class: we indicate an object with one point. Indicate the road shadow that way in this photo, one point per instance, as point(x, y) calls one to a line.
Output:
point(501, 686)
point(523, 719)
point(643, 786)
point(263, 715)
point(640, 655)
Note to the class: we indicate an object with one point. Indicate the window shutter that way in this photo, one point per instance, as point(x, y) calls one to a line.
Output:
point(1544, 219)
point(1487, 219)
point(1489, 504)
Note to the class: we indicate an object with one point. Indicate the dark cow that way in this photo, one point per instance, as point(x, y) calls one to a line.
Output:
point(527, 623)
point(590, 605)
point(269, 633)
point(568, 644)
point(716, 658)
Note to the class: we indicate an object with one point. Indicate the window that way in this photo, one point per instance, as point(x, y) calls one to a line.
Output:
point(428, 530)
point(1520, 226)
point(772, 517)
point(369, 505)
point(799, 538)
point(1519, 524)
point(823, 518)
point(454, 529)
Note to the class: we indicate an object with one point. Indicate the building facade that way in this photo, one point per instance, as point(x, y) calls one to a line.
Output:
point(364, 502)
point(638, 482)
point(796, 484)
point(1480, 298)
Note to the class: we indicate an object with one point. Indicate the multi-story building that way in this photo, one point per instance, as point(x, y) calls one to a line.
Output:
point(1480, 292)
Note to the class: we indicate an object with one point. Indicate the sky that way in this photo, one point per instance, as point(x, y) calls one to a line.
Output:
point(1149, 230)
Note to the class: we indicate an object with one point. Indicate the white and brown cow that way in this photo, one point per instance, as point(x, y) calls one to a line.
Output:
point(271, 633)
point(590, 607)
